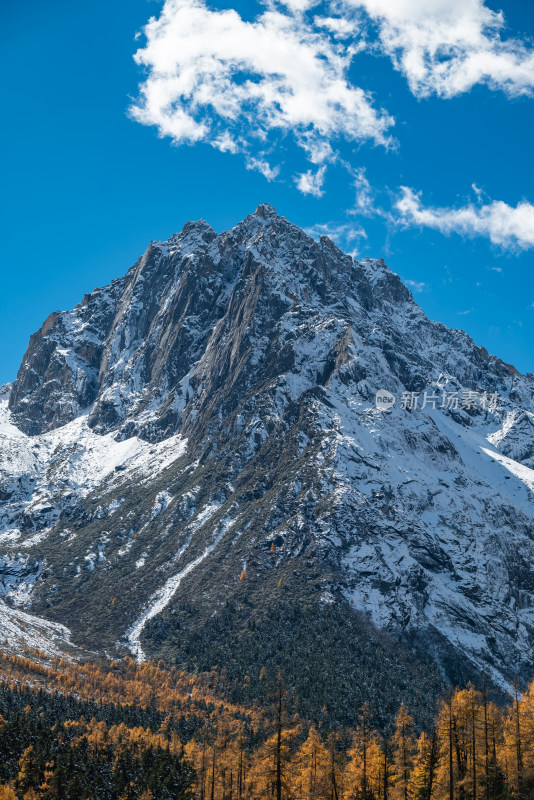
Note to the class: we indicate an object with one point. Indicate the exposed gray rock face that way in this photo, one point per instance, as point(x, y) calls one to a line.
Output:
point(17, 577)
point(126, 351)
point(214, 412)
point(516, 438)
point(58, 378)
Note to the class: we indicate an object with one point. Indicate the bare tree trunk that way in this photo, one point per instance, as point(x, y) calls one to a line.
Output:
point(240, 774)
point(279, 742)
point(474, 745)
point(433, 762)
point(212, 793)
point(333, 784)
point(519, 753)
point(451, 768)
point(486, 742)
point(364, 746)
point(203, 772)
point(494, 781)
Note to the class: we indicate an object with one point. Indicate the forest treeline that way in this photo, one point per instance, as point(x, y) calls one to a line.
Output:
point(120, 731)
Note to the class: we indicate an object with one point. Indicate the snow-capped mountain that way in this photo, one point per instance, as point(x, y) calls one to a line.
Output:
point(193, 465)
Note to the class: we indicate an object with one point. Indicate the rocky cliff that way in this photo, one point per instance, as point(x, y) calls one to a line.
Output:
point(193, 466)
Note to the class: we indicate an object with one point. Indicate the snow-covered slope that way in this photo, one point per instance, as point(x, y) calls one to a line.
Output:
point(43, 476)
point(212, 415)
point(21, 632)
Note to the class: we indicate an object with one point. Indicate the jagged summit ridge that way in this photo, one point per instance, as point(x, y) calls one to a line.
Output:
point(217, 402)
point(135, 332)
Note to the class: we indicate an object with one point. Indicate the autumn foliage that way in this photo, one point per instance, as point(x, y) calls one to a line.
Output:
point(475, 750)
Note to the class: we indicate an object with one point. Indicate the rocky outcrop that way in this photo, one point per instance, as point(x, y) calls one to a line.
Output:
point(58, 377)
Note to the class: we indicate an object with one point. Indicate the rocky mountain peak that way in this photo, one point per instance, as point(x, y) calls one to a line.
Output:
point(266, 212)
point(195, 231)
point(215, 411)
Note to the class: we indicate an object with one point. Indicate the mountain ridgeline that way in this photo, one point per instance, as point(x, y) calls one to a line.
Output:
point(193, 468)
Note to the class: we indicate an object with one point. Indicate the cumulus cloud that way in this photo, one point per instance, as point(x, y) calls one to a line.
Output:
point(246, 85)
point(442, 47)
point(447, 46)
point(214, 77)
point(503, 225)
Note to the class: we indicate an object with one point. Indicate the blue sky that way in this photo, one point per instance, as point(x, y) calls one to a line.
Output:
point(407, 137)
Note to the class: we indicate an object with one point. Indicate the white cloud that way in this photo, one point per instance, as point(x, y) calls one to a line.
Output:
point(213, 77)
point(345, 235)
point(245, 86)
point(299, 5)
point(416, 286)
point(311, 182)
point(364, 194)
point(263, 166)
point(343, 28)
point(447, 46)
point(503, 225)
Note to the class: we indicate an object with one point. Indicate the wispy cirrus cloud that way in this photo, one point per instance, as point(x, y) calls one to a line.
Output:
point(416, 286)
point(346, 235)
point(502, 224)
point(365, 196)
